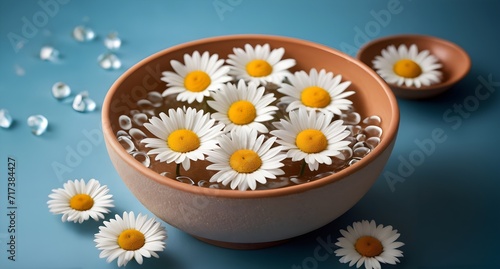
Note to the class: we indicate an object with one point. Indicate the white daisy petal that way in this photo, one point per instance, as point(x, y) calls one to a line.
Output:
point(428, 64)
point(245, 142)
point(109, 242)
point(348, 251)
point(192, 120)
point(78, 201)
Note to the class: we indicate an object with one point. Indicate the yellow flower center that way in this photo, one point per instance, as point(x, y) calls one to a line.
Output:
point(311, 141)
point(407, 68)
point(81, 202)
point(183, 140)
point(242, 112)
point(368, 246)
point(131, 239)
point(245, 161)
point(197, 81)
point(315, 97)
point(259, 68)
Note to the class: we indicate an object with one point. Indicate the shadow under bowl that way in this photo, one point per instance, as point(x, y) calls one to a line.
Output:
point(455, 61)
point(261, 218)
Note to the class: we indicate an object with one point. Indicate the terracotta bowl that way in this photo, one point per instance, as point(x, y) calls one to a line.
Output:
point(456, 62)
point(261, 218)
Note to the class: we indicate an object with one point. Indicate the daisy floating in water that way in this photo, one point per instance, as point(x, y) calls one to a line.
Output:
point(407, 66)
point(128, 237)
point(196, 78)
point(243, 106)
point(182, 136)
point(78, 201)
point(243, 160)
point(312, 137)
point(259, 64)
point(317, 91)
point(369, 244)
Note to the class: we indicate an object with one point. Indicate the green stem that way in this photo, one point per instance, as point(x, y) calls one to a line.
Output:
point(302, 168)
point(178, 170)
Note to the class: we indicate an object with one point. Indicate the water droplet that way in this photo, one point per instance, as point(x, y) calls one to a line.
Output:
point(112, 41)
point(126, 143)
point(125, 122)
point(5, 118)
point(373, 131)
point(185, 179)
point(358, 145)
point(60, 90)
point(353, 161)
point(145, 105)
point(142, 158)
point(351, 139)
point(360, 152)
point(137, 134)
point(298, 180)
point(354, 129)
point(38, 124)
point(109, 61)
point(347, 153)
point(352, 118)
point(167, 174)
point(123, 133)
point(322, 175)
point(361, 137)
point(155, 98)
point(83, 103)
point(83, 33)
point(373, 120)
point(214, 186)
point(203, 183)
point(372, 142)
point(48, 53)
point(140, 118)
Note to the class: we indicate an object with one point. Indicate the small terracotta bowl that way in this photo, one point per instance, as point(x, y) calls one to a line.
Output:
point(456, 62)
point(261, 218)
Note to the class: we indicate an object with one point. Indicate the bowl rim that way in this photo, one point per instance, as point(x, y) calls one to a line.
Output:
point(467, 64)
point(390, 132)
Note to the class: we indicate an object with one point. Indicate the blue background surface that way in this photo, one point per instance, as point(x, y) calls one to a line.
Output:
point(446, 208)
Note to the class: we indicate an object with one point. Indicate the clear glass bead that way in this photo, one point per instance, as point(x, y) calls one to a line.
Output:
point(5, 118)
point(83, 103)
point(140, 118)
point(373, 131)
point(38, 124)
point(109, 61)
point(125, 122)
point(48, 53)
point(373, 120)
point(60, 90)
point(142, 157)
point(83, 34)
point(126, 143)
point(351, 118)
point(112, 41)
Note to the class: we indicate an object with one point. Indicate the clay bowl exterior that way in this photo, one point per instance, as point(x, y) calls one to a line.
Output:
point(456, 62)
point(251, 219)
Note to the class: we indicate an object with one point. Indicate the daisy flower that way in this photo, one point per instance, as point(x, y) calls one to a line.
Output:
point(182, 136)
point(311, 136)
point(259, 64)
point(196, 78)
point(367, 243)
point(243, 107)
point(316, 91)
point(407, 66)
point(130, 237)
point(78, 201)
point(244, 159)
